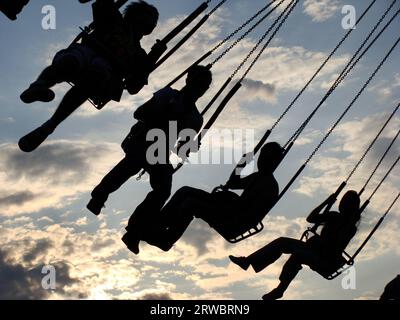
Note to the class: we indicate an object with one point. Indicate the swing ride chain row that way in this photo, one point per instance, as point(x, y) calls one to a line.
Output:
point(380, 162)
point(352, 103)
point(321, 67)
point(227, 50)
point(384, 178)
point(372, 144)
point(285, 15)
point(346, 71)
point(260, 41)
point(251, 19)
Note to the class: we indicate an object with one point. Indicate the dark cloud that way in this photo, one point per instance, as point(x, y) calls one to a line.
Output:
point(379, 149)
point(156, 296)
point(64, 162)
point(260, 89)
point(17, 199)
point(198, 235)
point(19, 282)
point(41, 247)
point(100, 244)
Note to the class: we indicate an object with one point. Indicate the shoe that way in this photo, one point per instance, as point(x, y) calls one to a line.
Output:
point(34, 139)
point(95, 206)
point(37, 92)
point(273, 295)
point(131, 243)
point(159, 244)
point(240, 261)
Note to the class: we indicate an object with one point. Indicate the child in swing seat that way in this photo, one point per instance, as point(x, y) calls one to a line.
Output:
point(156, 115)
point(104, 64)
point(321, 253)
point(222, 210)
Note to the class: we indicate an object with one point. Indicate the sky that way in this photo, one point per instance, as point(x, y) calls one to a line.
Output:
point(43, 195)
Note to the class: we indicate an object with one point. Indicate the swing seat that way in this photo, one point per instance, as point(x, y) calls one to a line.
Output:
point(337, 267)
point(235, 234)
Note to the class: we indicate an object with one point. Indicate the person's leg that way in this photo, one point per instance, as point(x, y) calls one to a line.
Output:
point(289, 271)
point(125, 169)
point(267, 255)
point(67, 65)
point(179, 212)
point(147, 215)
point(72, 100)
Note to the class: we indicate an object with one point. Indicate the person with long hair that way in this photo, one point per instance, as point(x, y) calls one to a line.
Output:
point(322, 253)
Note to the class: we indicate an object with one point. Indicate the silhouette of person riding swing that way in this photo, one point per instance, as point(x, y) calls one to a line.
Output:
point(105, 63)
point(224, 210)
point(322, 253)
point(392, 290)
point(166, 105)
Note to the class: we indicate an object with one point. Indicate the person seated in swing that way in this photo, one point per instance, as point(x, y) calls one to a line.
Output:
point(168, 106)
point(392, 290)
point(106, 62)
point(12, 8)
point(322, 253)
point(224, 210)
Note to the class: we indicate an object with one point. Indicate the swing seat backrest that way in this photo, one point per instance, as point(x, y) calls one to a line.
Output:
point(335, 268)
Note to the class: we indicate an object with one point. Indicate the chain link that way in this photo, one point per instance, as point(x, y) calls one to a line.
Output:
point(321, 67)
point(236, 42)
point(352, 102)
point(345, 72)
point(372, 143)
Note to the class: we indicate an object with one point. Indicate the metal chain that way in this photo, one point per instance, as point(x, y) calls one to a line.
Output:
point(354, 100)
point(345, 72)
point(217, 7)
point(384, 178)
point(381, 160)
point(391, 205)
point(372, 144)
point(291, 7)
point(245, 24)
point(227, 50)
point(321, 67)
point(243, 62)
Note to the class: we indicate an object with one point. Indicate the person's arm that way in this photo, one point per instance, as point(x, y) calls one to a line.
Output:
point(146, 112)
point(187, 139)
point(237, 182)
point(315, 216)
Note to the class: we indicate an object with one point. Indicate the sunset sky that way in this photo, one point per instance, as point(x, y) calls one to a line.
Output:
point(43, 195)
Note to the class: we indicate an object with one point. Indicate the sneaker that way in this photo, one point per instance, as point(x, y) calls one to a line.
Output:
point(131, 243)
point(273, 295)
point(95, 206)
point(240, 261)
point(37, 92)
point(34, 139)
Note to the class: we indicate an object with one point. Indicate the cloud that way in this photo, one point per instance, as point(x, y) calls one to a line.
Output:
point(321, 10)
point(260, 90)
point(69, 167)
point(156, 296)
point(20, 282)
point(17, 199)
